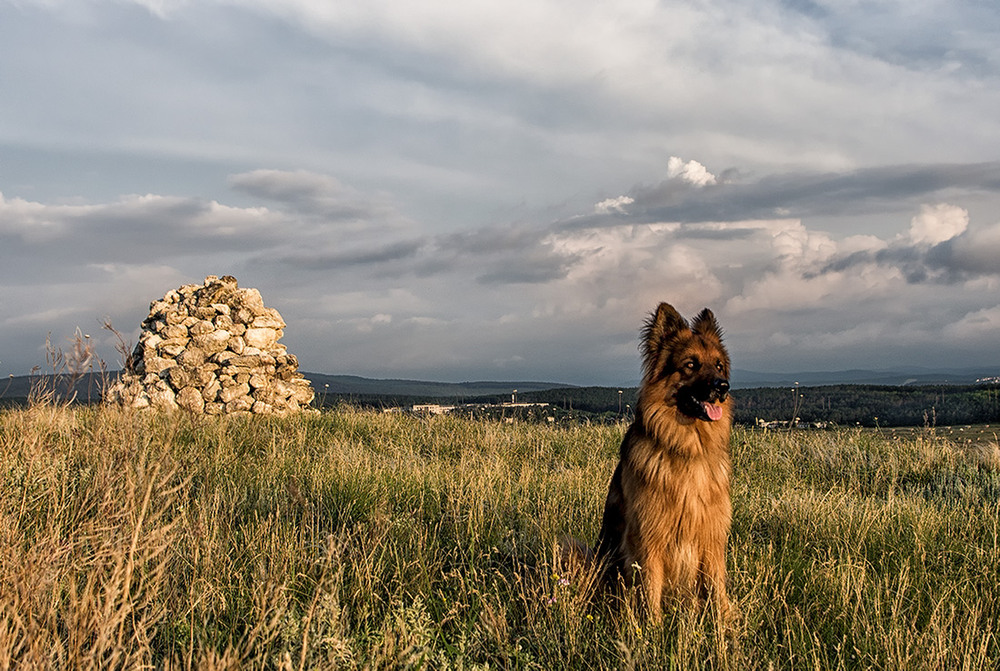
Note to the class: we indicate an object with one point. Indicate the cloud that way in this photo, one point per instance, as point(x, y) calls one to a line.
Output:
point(937, 223)
point(537, 266)
point(978, 325)
point(369, 324)
point(941, 245)
point(308, 192)
point(346, 257)
point(613, 205)
point(691, 172)
point(977, 251)
point(127, 227)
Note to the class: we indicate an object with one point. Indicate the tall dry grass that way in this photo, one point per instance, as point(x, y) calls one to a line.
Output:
point(360, 540)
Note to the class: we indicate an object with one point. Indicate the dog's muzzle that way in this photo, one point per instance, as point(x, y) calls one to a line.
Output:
point(719, 390)
point(703, 401)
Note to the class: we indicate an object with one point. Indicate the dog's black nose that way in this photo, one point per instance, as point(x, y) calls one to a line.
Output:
point(721, 387)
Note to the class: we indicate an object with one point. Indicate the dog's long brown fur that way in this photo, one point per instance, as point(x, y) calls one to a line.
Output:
point(667, 516)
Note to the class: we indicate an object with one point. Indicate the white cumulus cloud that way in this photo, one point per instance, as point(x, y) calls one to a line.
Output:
point(691, 172)
point(613, 205)
point(937, 223)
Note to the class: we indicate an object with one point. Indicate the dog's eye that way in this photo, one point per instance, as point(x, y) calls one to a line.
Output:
point(719, 366)
point(690, 365)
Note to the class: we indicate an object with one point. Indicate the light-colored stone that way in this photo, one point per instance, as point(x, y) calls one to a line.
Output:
point(190, 399)
point(202, 376)
point(171, 342)
point(210, 391)
point(158, 364)
point(241, 404)
point(192, 357)
point(158, 308)
point(258, 381)
point(229, 394)
point(246, 361)
point(224, 322)
point(171, 351)
point(150, 339)
point(204, 313)
point(242, 316)
point(163, 399)
point(251, 300)
point(302, 393)
point(201, 327)
point(178, 377)
point(212, 342)
point(260, 338)
point(267, 322)
point(237, 344)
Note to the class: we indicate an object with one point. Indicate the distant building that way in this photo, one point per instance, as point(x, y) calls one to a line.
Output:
point(433, 408)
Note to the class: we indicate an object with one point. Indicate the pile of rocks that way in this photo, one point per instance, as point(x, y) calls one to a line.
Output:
point(212, 349)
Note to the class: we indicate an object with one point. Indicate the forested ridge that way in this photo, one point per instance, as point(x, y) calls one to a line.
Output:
point(871, 405)
point(838, 405)
point(867, 405)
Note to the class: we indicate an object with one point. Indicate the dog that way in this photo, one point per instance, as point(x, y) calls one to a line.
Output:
point(668, 512)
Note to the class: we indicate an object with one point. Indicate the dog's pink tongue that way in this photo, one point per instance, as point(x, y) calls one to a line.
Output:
point(713, 411)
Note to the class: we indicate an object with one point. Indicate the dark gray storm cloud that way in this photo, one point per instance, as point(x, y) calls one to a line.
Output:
point(135, 227)
point(309, 193)
point(539, 267)
point(965, 257)
point(494, 239)
point(388, 253)
point(798, 195)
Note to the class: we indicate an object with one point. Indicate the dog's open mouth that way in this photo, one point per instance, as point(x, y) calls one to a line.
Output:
point(707, 408)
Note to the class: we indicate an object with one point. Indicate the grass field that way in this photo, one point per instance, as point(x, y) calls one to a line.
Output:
point(362, 540)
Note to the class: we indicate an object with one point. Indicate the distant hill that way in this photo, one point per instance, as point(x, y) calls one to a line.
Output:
point(899, 377)
point(352, 384)
point(898, 398)
point(17, 388)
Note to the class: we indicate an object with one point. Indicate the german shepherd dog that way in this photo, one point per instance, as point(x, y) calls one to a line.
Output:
point(667, 516)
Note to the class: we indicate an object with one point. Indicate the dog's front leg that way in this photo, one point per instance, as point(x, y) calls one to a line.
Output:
point(712, 582)
point(651, 573)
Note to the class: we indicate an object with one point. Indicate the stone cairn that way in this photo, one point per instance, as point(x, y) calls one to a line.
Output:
point(212, 349)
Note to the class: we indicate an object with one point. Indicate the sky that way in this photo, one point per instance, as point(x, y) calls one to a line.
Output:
point(503, 190)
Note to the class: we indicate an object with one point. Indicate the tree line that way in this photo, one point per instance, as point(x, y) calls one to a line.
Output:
point(836, 405)
point(839, 405)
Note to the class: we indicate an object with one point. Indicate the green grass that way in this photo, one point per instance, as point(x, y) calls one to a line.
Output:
point(365, 540)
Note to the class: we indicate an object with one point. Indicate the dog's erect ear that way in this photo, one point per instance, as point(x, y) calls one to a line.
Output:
point(705, 324)
point(661, 327)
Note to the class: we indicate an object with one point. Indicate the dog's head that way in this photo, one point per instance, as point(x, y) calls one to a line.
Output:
point(685, 365)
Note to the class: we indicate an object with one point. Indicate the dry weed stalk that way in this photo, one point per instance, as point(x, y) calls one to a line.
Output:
point(65, 370)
